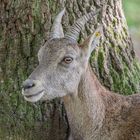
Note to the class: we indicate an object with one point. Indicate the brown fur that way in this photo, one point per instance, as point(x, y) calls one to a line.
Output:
point(99, 114)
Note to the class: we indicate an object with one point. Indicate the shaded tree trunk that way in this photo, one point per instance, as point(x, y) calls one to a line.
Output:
point(24, 27)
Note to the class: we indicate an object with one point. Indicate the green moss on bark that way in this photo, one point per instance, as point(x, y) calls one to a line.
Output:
point(25, 26)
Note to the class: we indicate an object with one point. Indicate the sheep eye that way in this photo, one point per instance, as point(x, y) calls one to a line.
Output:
point(68, 60)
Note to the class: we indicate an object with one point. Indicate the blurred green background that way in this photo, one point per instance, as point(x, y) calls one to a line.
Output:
point(132, 14)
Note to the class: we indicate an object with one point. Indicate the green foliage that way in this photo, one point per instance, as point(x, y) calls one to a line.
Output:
point(132, 11)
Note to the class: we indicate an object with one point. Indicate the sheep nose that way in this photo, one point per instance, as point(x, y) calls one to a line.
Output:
point(28, 84)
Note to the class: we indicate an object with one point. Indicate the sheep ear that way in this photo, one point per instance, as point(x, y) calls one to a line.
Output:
point(92, 41)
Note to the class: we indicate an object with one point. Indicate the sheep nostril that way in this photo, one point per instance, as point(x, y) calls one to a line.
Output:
point(28, 84)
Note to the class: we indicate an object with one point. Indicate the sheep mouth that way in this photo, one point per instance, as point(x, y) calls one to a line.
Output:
point(33, 95)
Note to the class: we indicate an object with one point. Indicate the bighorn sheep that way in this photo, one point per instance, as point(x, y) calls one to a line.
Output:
point(94, 113)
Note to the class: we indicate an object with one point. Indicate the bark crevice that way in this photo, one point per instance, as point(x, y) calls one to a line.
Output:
point(24, 26)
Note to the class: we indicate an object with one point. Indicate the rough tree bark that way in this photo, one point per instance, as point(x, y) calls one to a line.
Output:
point(24, 26)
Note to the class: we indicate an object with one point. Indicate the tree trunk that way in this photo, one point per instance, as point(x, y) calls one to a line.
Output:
point(24, 27)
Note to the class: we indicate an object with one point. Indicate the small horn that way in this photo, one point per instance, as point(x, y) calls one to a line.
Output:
point(57, 30)
point(75, 29)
